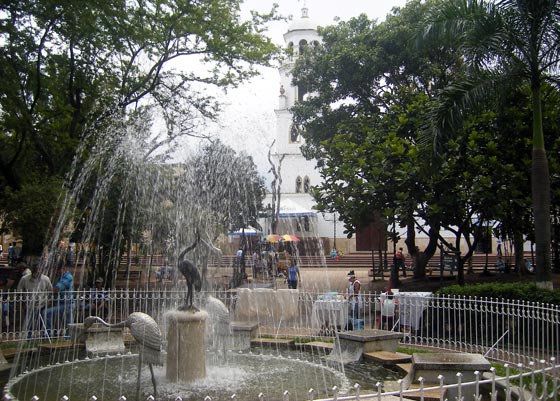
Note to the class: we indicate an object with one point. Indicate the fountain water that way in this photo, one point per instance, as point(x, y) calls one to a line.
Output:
point(168, 205)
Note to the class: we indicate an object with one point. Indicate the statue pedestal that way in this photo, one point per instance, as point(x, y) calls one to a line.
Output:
point(186, 346)
point(243, 333)
point(99, 340)
point(351, 345)
point(431, 366)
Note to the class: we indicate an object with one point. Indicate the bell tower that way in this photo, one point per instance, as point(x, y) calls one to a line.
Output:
point(302, 32)
point(298, 175)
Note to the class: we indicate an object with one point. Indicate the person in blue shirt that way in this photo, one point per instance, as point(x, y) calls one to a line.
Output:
point(500, 265)
point(293, 275)
point(61, 308)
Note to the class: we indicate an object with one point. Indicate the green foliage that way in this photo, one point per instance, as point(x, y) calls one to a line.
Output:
point(69, 71)
point(220, 174)
point(505, 45)
point(527, 292)
point(412, 129)
point(29, 211)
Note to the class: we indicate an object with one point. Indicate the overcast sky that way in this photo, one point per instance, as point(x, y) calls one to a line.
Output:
point(248, 122)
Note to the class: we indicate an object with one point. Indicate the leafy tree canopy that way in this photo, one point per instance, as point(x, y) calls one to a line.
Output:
point(70, 69)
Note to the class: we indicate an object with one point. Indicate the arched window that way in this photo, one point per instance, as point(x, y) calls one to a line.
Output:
point(306, 223)
point(301, 89)
point(302, 46)
point(294, 134)
point(306, 185)
point(298, 185)
point(290, 50)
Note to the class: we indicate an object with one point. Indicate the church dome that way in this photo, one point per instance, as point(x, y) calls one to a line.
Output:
point(303, 23)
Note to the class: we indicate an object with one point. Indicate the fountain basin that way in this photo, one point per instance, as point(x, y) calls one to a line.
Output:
point(431, 366)
point(372, 339)
point(245, 374)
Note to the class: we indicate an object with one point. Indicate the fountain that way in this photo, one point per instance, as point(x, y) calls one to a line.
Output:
point(168, 206)
point(193, 371)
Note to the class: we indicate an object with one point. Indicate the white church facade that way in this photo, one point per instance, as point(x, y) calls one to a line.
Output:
point(298, 175)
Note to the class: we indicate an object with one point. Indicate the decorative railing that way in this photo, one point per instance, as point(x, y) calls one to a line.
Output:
point(503, 330)
point(525, 335)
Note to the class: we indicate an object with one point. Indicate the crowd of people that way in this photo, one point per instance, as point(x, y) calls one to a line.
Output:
point(48, 308)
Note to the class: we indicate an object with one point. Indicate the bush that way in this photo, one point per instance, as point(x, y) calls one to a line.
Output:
point(513, 291)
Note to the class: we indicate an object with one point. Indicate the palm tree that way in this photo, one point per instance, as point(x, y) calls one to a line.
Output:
point(504, 42)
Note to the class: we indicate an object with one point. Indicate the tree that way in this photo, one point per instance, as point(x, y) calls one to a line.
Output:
point(228, 185)
point(505, 42)
point(369, 92)
point(71, 70)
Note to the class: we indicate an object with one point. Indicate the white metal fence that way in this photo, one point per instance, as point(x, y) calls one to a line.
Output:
point(503, 330)
point(522, 334)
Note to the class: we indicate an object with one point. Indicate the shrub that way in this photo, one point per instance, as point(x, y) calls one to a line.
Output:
point(514, 291)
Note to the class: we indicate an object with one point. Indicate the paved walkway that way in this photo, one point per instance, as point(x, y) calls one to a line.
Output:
point(329, 279)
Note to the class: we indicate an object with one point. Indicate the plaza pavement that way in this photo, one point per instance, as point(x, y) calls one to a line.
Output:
point(321, 280)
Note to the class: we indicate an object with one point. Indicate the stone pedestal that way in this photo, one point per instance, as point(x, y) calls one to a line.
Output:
point(99, 340)
point(243, 333)
point(430, 366)
point(351, 345)
point(186, 346)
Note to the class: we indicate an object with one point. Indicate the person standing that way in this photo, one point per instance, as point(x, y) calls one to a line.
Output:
point(255, 260)
point(11, 254)
point(499, 247)
point(38, 287)
point(399, 261)
point(354, 295)
point(293, 274)
point(387, 310)
point(99, 300)
point(62, 302)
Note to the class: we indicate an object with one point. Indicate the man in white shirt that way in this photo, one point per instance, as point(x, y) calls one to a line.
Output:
point(354, 296)
point(38, 288)
point(388, 310)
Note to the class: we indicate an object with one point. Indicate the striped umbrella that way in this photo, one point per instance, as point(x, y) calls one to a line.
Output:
point(273, 238)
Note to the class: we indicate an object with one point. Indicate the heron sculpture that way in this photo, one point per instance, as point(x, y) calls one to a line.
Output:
point(147, 334)
point(191, 274)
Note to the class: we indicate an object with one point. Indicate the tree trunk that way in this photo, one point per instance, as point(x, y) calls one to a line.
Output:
point(421, 259)
point(540, 188)
point(519, 261)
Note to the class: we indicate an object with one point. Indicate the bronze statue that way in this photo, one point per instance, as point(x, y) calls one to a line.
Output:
point(192, 276)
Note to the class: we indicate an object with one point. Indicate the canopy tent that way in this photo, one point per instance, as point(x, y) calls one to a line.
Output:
point(289, 208)
point(248, 232)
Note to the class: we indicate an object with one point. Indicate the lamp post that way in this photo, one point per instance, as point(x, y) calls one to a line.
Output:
point(334, 230)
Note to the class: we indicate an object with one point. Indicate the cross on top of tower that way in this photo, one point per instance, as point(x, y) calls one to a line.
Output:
point(304, 10)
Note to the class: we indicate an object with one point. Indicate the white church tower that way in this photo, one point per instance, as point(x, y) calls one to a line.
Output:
point(297, 215)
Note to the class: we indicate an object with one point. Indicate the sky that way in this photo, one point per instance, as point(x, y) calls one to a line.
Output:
point(248, 122)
